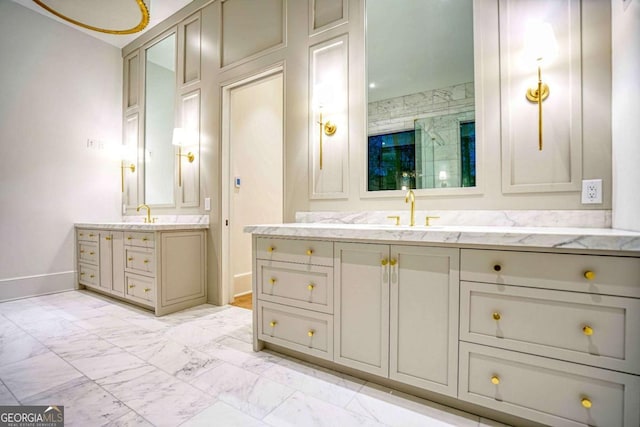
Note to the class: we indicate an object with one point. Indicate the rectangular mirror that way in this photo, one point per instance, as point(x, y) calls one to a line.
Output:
point(160, 102)
point(421, 103)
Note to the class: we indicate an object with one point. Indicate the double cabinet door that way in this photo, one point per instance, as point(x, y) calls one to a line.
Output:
point(396, 311)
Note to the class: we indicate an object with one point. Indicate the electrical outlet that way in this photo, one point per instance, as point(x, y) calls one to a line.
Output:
point(591, 191)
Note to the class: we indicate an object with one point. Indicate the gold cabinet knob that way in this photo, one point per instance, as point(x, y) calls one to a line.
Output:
point(81, 234)
point(132, 286)
point(107, 238)
point(496, 315)
point(129, 237)
point(311, 332)
point(495, 380)
point(92, 276)
point(587, 330)
point(82, 273)
point(393, 261)
point(589, 275)
point(273, 323)
point(271, 248)
point(146, 261)
point(91, 234)
point(384, 262)
point(497, 268)
point(272, 281)
point(130, 258)
point(147, 289)
point(310, 286)
point(91, 253)
point(144, 239)
point(586, 403)
point(81, 251)
point(309, 252)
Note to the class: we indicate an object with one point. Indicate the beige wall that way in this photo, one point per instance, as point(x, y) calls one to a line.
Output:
point(59, 88)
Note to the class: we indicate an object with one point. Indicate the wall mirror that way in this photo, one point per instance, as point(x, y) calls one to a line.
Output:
point(421, 104)
point(160, 101)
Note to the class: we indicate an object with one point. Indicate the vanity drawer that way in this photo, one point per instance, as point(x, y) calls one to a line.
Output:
point(305, 331)
point(596, 330)
point(547, 391)
point(313, 252)
point(87, 235)
point(88, 252)
point(140, 239)
point(304, 286)
point(140, 288)
point(88, 275)
point(140, 260)
point(609, 275)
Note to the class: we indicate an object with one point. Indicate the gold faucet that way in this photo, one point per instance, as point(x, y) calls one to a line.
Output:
point(148, 219)
point(411, 197)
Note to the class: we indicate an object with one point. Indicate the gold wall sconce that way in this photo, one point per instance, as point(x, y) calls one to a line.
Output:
point(323, 98)
point(540, 46)
point(179, 137)
point(328, 128)
point(123, 166)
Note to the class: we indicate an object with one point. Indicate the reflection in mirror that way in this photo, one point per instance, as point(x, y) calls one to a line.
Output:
point(421, 105)
point(160, 94)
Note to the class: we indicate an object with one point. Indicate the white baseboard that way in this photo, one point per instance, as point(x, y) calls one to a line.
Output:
point(242, 284)
point(41, 284)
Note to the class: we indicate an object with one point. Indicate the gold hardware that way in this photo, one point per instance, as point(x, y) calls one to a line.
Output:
point(393, 262)
point(91, 234)
point(384, 262)
point(92, 253)
point(273, 323)
point(310, 286)
point(81, 251)
point(82, 273)
point(190, 157)
point(309, 252)
point(146, 261)
point(107, 238)
point(329, 129)
point(496, 316)
point(123, 166)
point(144, 239)
point(130, 258)
point(495, 380)
point(147, 289)
point(132, 286)
point(589, 275)
point(129, 237)
point(272, 281)
point(428, 218)
point(81, 234)
point(271, 249)
point(411, 197)
point(497, 268)
point(586, 403)
point(144, 19)
point(92, 276)
point(396, 217)
point(538, 95)
point(311, 332)
point(587, 330)
point(148, 218)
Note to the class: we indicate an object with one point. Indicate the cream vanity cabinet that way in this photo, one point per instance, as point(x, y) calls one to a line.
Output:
point(396, 313)
point(551, 337)
point(161, 270)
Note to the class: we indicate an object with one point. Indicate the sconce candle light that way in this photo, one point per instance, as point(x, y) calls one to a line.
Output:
point(540, 45)
point(322, 99)
point(124, 166)
point(179, 137)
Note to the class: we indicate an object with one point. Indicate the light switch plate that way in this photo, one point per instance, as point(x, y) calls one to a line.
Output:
point(207, 204)
point(591, 191)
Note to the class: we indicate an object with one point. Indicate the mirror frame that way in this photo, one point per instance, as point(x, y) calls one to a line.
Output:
point(479, 79)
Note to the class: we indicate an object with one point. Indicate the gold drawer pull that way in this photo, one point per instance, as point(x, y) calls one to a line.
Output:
point(272, 281)
point(393, 262)
point(130, 258)
point(107, 238)
point(147, 289)
point(81, 234)
point(310, 286)
point(132, 286)
point(91, 234)
point(384, 262)
point(586, 403)
point(495, 380)
point(83, 273)
point(271, 248)
point(589, 275)
point(309, 252)
point(587, 330)
point(144, 239)
point(81, 251)
point(497, 268)
point(92, 253)
point(129, 237)
point(92, 276)
point(496, 316)
point(311, 333)
point(273, 323)
point(146, 261)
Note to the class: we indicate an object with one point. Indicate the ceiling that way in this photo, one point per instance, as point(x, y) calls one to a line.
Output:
point(115, 14)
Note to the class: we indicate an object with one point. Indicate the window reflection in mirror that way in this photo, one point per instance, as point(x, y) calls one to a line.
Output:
point(160, 94)
point(421, 105)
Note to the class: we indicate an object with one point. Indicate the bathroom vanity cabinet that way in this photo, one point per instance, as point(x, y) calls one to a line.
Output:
point(543, 334)
point(163, 270)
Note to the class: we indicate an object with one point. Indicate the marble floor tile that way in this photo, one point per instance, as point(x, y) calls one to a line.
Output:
point(6, 398)
point(221, 413)
point(138, 341)
point(303, 410)
point(192, 336)
point(234, 352)
point(393, 408)
point(108, 363)
point(16, 345)
point(104, 325)
point(244, 390)
point(36, 374)
point(85, 403)
point(52, 330)
point(33, 314)
point(181, 361)
point(130, 419)
point(79, 346)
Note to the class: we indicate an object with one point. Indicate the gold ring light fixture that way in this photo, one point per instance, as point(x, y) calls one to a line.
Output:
point(540, 46)
point(119, 17)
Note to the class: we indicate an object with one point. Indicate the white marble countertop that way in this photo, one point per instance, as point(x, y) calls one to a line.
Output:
point(141, 226)
point(606, 239)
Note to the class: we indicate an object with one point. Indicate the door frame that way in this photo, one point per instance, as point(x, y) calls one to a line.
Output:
point(227, 179)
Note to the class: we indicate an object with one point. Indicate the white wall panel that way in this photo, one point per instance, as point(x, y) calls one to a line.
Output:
point(325, 14)
point(190, 122)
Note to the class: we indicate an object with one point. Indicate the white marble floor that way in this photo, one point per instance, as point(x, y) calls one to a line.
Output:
point(113, 364)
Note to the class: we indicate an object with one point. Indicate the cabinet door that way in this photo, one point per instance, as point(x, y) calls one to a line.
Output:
point(361, 304)
point(112, 261)
point(424, 317)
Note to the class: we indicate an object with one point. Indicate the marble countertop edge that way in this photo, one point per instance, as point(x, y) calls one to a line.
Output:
point(135, 226)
